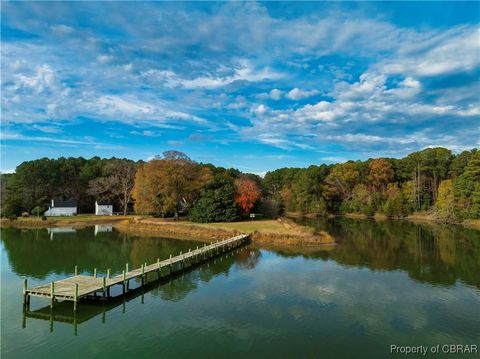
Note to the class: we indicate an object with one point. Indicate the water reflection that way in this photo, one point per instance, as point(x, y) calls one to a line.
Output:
point(32, 253)
point(436, 254)
point(103, 228)
point(61, 232)
point(172, 288)
point(356, 298)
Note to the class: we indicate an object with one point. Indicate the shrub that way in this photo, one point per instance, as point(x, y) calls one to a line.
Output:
point(25, 214)
point(44, 218)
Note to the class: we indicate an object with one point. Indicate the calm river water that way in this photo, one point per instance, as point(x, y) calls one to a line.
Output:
point(385, 283)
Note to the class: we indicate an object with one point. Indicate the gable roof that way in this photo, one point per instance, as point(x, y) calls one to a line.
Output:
point(66, 203)
point(104, 203)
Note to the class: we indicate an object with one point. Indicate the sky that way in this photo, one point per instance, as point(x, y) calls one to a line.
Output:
point(255, 86)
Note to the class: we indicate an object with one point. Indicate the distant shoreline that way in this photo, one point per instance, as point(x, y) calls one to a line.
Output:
point(415, 218)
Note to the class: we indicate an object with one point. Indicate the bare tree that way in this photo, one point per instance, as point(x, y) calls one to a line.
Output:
point(117, 183)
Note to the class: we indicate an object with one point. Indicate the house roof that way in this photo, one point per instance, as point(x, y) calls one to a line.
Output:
point(103, 203)
point(64, 203)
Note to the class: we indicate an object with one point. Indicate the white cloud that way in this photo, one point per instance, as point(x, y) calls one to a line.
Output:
point(276, 94)
point(62, 29)
point(458, 53)
point(298, 94)
point(19, 137)
point(46, 128)
point(42, 79)
point(103, 59)
point(260, 109)
point(245, 72)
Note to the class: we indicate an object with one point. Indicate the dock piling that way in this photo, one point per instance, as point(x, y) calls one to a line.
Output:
point(76, 270)
point(75, 297)
point(52, 293)
point(104, 286)
point(25, 295)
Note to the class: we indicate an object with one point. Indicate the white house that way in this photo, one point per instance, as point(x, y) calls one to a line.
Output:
point(103, 209)
point(62, 208)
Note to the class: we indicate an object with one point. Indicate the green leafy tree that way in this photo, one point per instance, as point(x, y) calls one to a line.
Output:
point(467, 189)
point(216, 202)
point(446, 200)
point(343, 178)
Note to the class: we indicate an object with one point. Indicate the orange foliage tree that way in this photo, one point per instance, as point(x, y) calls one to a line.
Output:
point(165, 185)
point(381, 173)
point(247, 193)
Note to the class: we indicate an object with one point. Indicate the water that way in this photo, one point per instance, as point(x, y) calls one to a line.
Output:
point(385, 283)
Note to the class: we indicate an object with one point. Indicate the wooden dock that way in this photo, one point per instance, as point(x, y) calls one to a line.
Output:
point(81, 286)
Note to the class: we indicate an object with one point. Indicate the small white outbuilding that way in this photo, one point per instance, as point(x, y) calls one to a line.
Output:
point(62, 208)
point(103, 209)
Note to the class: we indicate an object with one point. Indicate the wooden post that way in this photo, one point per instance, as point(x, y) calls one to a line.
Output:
point(171, 267)
point(76, 270)
point(52, 293)
point(25, 291)
point(75, 297)
point(124, 276)
point(104, 285)
point(126, 267)
point(95, 272)
point(143, 273)
point(108, 273)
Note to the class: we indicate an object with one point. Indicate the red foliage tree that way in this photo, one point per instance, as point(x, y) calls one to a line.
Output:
point(247, 193)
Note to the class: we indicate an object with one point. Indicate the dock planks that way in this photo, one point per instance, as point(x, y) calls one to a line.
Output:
point(80, 286)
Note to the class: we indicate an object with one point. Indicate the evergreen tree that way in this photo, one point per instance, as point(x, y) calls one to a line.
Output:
point(216, 202)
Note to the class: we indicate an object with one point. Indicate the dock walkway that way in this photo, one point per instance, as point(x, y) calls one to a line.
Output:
point(80, 286)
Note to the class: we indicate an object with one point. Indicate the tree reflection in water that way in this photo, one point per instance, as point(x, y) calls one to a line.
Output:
point(436, 254)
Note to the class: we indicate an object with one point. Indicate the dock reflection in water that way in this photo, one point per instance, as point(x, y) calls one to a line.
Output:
point(174, 287)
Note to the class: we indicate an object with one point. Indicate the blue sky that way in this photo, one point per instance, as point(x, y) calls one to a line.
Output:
point(256, 86)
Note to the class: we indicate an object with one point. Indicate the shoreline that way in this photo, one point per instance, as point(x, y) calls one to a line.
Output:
point(74, 221)
point(415, 218)
point(284, 232)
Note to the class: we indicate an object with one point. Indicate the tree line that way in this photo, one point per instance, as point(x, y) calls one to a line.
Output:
point(432, 180)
